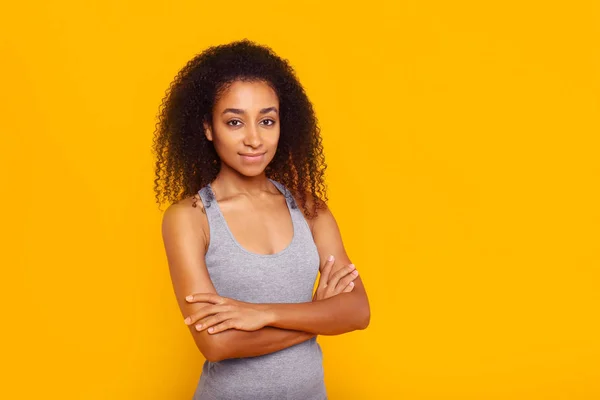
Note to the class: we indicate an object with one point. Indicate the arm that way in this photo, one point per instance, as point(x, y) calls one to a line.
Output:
point(335, 315)
point(184, 235)
point(344, 312)
point(234, 343)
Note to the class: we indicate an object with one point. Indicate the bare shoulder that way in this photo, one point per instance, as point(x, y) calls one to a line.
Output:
point(186, 216)
point(322, 210)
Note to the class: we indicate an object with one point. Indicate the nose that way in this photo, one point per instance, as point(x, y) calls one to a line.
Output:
point(252, 137)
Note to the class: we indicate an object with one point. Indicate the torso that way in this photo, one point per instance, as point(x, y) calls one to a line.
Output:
point(261, 251)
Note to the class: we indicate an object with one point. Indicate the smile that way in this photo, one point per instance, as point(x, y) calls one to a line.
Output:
point(252, 157)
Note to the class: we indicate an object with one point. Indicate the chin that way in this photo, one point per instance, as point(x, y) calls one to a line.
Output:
point(250, 172)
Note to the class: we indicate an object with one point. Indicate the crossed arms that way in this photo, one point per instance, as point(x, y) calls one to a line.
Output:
point(240, 329)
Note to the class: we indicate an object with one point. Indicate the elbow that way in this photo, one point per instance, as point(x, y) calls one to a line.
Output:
point(365, 319)
point(211, 348)
point(212, 355)
point(361, 316)
point(365, 322)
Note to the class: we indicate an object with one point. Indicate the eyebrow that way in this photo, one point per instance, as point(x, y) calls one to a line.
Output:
point(240, 111)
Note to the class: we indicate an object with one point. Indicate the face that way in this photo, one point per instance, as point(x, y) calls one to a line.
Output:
point(245, 129)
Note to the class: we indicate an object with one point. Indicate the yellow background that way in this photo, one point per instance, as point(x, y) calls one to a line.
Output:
point(462, 143)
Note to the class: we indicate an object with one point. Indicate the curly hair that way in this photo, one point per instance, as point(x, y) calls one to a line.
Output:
point(186, 160)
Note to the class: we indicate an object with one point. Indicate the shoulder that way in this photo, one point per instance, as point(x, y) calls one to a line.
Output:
point(186, 217)
point(190, 207)
point(322, 213)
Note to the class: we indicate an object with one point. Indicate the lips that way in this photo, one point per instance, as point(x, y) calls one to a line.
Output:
point(252, 157)
point(251, 154)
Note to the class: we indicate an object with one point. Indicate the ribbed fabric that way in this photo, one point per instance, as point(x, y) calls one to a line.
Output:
point(294, 373)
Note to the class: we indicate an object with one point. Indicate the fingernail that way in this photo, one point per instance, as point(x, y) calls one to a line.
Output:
point(210, 329)
point(198, 327)
point(330, 258)
point(351, 283)
point(355, 272)
point(187, 320)
point(190, 298)
point(351, 266)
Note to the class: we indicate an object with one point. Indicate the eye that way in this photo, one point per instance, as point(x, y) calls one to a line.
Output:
point(234, 120)
point(272, 122)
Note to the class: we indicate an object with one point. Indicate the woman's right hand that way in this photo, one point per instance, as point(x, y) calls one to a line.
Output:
point(336, 283)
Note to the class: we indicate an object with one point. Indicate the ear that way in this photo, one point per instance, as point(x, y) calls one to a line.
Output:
point(208, 131)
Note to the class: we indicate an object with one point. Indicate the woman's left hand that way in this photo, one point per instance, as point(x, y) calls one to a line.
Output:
point(224, 313)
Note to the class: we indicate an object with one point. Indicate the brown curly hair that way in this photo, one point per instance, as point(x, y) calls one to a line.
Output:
point(186, 160)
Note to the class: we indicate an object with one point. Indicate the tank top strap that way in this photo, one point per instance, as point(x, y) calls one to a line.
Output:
point(208, 197)
point(286, 193)
point(301, 228)
point(216, 222)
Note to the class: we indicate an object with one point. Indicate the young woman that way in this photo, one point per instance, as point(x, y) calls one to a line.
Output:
point(239, 156)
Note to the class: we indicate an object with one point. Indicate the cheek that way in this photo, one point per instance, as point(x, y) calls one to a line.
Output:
point(224, 146)
point(225, 140)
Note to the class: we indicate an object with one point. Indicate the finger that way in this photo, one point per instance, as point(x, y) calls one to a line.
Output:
point(204, 297)
point(326, 271)
point(340, 274)
point(213, 320)
point(348, 288)
point(223, 326)
point(205, 312)
point(346, 280)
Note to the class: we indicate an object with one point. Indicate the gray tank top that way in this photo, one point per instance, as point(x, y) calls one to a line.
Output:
point(294, 373)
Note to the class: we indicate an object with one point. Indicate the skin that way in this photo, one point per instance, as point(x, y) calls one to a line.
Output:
point(245, 122)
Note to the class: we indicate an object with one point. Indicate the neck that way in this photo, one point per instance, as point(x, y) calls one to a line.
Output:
point(230, 182)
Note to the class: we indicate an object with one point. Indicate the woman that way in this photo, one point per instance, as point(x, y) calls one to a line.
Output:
point(239, 155)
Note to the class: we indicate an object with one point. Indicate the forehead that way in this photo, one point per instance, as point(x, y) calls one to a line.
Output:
point(248, 95)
